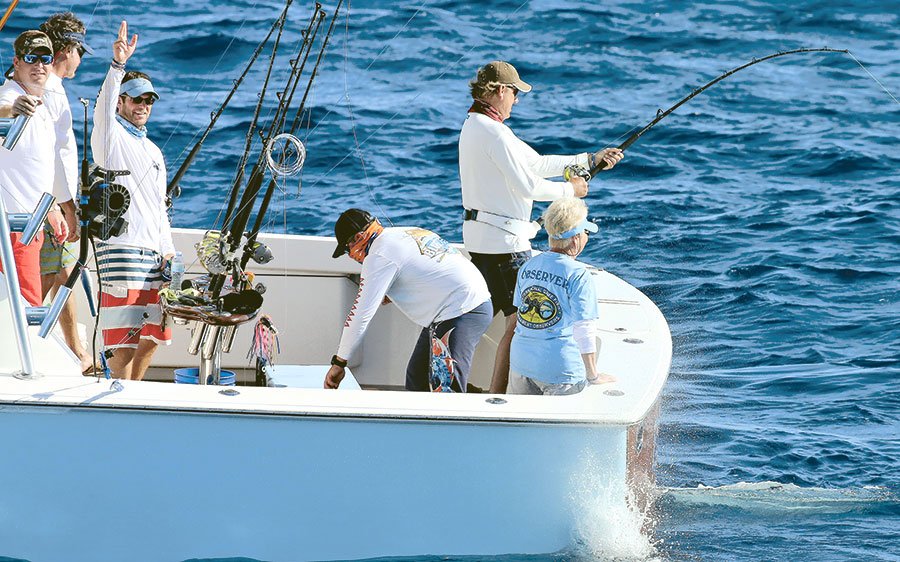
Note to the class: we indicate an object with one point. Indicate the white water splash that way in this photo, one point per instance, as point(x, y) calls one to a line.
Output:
point(607, 525)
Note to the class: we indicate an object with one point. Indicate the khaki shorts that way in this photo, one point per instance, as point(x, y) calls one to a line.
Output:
point(56, 257)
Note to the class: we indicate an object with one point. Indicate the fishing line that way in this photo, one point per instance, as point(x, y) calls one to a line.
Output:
point(203, 87)
point(389, 41)
point(419, 94)
point(872, 76)
point(359, 153)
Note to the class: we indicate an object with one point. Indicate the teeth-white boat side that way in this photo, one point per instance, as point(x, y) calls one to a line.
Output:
point(178, 471)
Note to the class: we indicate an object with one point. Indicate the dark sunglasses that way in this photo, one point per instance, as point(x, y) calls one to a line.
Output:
point(515, 90)
point(80, 50)
point(32, 58)
point(149, 100)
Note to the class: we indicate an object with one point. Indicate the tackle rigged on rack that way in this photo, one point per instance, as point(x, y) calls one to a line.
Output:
point(228, 297)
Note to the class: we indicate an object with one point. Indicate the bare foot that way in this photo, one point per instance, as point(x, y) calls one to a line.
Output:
point(603, 378)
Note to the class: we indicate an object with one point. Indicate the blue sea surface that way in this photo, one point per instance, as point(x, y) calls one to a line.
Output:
point(763, 217)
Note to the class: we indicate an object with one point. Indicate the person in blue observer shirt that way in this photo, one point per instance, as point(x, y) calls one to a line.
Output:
point(554, 347)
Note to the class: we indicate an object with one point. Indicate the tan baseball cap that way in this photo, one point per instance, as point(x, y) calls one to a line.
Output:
point(32, 40)
point(503, 72)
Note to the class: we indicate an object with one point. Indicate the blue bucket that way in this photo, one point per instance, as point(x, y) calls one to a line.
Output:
point(192, 376)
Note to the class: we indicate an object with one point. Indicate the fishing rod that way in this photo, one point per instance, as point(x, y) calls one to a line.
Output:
point(232, 234)
point(249, 248)
point(9, 11)
point(174, 189)
point(660, 115)
point(248, 140)
point(258, 172)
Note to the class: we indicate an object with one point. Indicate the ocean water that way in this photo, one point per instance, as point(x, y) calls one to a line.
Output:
point(763, 217)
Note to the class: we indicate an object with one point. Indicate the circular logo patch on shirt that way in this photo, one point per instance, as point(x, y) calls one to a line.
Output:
point(539, 309)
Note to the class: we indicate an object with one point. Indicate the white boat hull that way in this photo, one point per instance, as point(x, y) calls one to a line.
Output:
point(96, 470)
point(156, 485)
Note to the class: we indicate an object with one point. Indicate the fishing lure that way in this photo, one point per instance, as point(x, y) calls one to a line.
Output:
point(442, 371)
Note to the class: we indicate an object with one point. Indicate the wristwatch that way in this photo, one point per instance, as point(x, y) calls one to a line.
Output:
point(338, 362)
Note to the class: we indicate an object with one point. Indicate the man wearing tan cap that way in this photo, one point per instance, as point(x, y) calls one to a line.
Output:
point(501, 178)
point(26, 172)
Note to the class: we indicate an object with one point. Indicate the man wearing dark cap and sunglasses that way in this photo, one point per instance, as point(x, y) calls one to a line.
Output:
point(429, 280)
point(132, 325)
point(26, 172)
point(501, 177)
point(66, 32)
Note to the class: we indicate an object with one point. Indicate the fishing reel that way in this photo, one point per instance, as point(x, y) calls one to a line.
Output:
point(574, 170)
point(104, 203)
point(212, 252)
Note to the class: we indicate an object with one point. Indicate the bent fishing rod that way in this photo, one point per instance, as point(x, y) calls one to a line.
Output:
point(660, 114)
point(173, 189)
point(249, 247)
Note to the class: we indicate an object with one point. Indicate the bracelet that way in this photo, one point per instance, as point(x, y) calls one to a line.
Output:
point(118, 65)
point(338, 362)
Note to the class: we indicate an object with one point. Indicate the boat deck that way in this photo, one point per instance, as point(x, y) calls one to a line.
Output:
point(634, 347)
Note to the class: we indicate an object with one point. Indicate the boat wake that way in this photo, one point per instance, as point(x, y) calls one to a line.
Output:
point(778, 497)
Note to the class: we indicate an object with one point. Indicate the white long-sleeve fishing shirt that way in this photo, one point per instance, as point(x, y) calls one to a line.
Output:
point(65, 178)
point(117, 149)
point(425, 277)
point(501, 174)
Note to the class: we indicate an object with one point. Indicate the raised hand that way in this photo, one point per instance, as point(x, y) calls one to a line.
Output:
point(122, 48)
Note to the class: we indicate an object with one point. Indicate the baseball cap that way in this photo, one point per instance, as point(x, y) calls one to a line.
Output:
point(137, 87)
point(503, 72)
point(76, 37)
point(31, 41)
point(351, 222)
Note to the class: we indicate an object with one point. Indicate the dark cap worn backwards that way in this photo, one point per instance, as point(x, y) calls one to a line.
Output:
point(502, 72)
point(349, 224)
point(32, 41)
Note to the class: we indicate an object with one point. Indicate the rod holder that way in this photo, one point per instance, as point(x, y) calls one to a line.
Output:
point(197, 333)
point(228, 338)
point(56, 308)
point(18, 221)
point(37, 218)
point(11, 129)
point(35, 315)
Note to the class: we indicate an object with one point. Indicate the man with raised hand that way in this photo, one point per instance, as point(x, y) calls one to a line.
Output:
point(131, 264)
point(26, 172)
point(66, 32)
point(501, 178)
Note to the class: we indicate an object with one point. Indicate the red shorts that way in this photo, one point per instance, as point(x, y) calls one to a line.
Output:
point(130, 279)
point(128, 319)
point(28, 267)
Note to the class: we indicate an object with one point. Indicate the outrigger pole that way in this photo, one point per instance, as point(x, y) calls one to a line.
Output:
point(660, 114)
point(173, 189)
point(270, 189)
